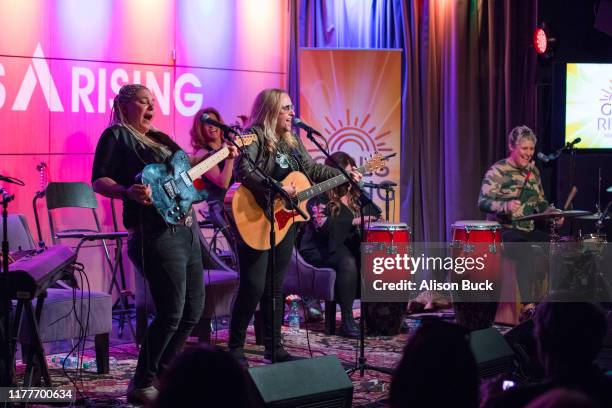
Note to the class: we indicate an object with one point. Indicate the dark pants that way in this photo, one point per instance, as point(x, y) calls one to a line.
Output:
point(254, 288)
point(173, 269)
point(530, 260)
point(345, 262)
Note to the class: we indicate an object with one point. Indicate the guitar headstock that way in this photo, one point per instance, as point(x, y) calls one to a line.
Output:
point(376, 162)
point(43, 173)
point(245, 140)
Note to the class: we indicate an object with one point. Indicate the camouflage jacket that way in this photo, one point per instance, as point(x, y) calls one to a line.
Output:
point(504, 182)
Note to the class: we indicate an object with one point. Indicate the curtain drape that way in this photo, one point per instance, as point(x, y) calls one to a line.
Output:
point(468, 77)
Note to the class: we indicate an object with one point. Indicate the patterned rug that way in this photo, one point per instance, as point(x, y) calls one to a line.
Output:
point(371, 390)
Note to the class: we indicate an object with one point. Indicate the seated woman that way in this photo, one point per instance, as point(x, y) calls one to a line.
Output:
point(331, 239)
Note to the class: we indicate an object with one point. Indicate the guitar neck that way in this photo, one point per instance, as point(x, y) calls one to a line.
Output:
point(208, 163)
point(325, 186)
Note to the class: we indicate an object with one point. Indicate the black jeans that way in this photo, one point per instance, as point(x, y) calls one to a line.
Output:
point(254, 288)
point(173, 269)
point(530, 265)
point(345, 261)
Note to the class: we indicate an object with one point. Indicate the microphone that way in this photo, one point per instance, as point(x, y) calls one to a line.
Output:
point(297, 122)
point(548, 157)
point(573, 142)
point(383, 186)
point(543, 157)
point(12, 180)
point(207, 120)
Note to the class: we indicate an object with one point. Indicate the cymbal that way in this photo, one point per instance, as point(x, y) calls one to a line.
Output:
point(554, 214)
point(592, 217)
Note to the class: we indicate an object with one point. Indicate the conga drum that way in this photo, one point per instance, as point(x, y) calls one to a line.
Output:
point(477, 239)
point(385, 318)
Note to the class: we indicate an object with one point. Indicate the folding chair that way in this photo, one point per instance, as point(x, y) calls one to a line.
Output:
point(81, 195)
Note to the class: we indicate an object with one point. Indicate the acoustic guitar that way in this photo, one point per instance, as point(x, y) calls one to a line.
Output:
point(251, 221)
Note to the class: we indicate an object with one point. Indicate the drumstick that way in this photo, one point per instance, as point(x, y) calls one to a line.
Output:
point(570, 197)
point(524, 185)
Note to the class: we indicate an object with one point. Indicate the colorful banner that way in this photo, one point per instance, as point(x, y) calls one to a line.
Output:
point(353, 97)
point(588, 109)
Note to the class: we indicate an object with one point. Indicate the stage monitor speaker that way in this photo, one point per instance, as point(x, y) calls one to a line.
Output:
point(316, 382)
point(493, 354)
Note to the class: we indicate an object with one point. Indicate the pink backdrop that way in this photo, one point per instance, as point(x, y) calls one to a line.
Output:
point(62, 62)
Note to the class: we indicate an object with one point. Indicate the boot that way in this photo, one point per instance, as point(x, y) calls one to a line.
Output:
point(348, 327)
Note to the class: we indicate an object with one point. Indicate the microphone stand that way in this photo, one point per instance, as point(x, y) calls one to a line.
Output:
point(8, 377)
point(364, 201)
point(272, 188)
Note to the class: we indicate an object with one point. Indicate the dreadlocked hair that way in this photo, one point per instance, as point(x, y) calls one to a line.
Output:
point(127, 94)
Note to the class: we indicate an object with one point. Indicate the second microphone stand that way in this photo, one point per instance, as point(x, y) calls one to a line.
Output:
point(364, 201)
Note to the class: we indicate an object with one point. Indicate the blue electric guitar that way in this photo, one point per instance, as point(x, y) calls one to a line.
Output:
point(177, 185)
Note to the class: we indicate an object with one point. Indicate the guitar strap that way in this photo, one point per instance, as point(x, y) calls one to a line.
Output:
point(295, 153)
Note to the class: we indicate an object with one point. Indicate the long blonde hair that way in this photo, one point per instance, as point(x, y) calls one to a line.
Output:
point(266, 107)
point(126, 94)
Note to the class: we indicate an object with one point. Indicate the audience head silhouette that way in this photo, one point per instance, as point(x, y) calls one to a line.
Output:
point(437, 369)
point(204, 376)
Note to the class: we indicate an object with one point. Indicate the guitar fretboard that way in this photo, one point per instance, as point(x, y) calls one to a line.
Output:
point(208, 163)
point(325, 186)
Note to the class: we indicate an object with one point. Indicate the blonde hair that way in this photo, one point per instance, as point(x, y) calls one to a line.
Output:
point(127, 94)
point(198, 140)
point(266, 107)
point(519, 133)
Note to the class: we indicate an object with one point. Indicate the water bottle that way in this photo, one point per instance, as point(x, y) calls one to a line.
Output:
point(294, 318)
point(91, 365)
point(66, 362)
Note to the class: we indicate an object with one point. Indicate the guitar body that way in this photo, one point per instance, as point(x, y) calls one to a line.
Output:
point(251, 220)
point(173, 190)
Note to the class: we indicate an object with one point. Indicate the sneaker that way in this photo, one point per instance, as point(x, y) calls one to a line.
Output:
point(281, 356)
point(238, 354)
point(141, 396)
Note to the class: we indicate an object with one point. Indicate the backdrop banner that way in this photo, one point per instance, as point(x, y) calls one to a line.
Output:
point(353, 97)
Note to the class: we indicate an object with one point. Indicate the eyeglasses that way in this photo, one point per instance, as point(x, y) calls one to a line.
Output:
point(287, 108)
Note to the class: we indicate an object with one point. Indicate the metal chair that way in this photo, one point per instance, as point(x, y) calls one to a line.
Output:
point(79, 195)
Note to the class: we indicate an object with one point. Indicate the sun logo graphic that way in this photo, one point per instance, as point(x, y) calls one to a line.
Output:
point(356, 136)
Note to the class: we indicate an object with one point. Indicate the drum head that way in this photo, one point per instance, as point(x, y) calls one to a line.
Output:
point(388, 226)
point(476, 225)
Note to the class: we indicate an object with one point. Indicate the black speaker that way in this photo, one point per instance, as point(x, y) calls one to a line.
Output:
point(316, 382)
point(522, 341)
point(493, 354)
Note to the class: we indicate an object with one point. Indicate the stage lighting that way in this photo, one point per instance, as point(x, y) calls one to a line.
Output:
point(543, 41)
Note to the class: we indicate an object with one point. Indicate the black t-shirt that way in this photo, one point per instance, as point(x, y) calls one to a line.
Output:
point(121, 157)
point(215, 193)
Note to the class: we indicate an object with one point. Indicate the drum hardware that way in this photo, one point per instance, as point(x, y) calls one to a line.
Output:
point(553, 215)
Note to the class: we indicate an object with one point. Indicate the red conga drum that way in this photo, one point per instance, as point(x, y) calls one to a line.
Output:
point(385, 318)
point(477, 239)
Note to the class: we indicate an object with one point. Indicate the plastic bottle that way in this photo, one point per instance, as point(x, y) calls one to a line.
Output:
point(66, 362)
point(294, 318)
point(72, 362)
point(91, 365)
